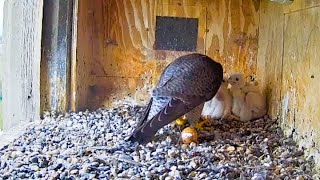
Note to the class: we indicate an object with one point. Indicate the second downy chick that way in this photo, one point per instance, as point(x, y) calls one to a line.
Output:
point(248, 102)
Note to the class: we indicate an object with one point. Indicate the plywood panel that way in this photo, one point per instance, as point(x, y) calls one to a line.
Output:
point(73, 57)
point(21, 68)
point(228, 32)
point(232, 36)
point(301, 5)
point(270, 54)
point(288, 62)
point(301, 69)
point(127, 50)
point(88, 49)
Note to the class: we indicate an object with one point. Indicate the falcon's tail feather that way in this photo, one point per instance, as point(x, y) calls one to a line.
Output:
point(144, 118)
point(146, 113)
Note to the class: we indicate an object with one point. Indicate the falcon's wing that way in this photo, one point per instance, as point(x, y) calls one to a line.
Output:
point(174, 109)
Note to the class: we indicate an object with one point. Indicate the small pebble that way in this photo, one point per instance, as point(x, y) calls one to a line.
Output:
point(231, 148)
point(73, 172)
point(202, 175)
point(257, 176)
point(171, 153)
point(34, 168)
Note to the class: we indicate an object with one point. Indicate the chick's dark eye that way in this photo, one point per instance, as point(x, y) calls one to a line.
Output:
point(237, 79)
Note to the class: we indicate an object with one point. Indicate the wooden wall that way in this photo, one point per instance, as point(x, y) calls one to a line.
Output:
point(288, 61)
point(115, 55)
point(21, 61)
point(55, 55)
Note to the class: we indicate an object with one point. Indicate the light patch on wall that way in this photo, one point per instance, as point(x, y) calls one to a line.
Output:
point(1, 61)
point(285, 105)
point(1, 20)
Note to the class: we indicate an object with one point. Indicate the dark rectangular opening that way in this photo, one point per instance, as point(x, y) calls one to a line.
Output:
point(176, 33)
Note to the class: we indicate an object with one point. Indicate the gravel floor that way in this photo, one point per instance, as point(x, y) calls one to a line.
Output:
point(90, 145)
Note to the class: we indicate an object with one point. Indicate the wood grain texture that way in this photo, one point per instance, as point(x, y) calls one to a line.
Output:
point(120, 36)
point(22, 52)
point(73, 63)
point(300, 5)
point(233, 34)
point(86, 43)
point(301, 71)
point(288, 62)
point(56, 55)
point(270, 54)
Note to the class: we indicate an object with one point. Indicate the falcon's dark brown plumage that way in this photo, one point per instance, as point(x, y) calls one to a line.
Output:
point(186, 83)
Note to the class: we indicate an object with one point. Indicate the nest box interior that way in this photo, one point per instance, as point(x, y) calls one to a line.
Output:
point(123, 46)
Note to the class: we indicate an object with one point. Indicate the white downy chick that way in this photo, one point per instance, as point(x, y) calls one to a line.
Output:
point(248, 102)
point(238, 97)
point(220, 105)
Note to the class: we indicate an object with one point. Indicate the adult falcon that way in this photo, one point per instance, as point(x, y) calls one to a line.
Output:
point(184, 86)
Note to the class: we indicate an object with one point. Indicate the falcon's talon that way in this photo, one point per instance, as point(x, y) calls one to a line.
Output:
point(182, 121)
point(199, 125)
